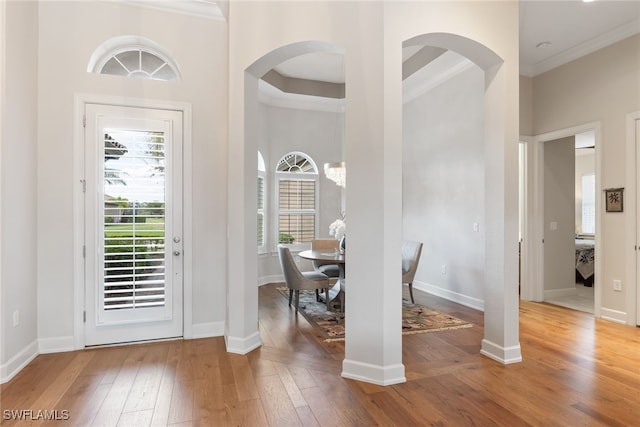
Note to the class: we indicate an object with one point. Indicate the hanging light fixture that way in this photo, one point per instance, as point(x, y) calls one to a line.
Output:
point(336, 172)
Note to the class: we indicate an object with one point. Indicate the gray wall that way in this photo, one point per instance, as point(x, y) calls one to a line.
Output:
point(18, 255)
point(443, 186)
point(559, 215)
point(602, 87)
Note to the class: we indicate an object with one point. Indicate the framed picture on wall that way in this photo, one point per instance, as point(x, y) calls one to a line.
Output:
point(614, 199)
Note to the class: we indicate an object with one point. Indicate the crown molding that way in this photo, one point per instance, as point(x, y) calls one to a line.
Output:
point(413, 91)
point(582, 49)
point(272, 96)
point(210, 9)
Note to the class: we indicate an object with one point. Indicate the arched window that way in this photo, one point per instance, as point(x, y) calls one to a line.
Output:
point(297, 187)
point(132, 56)
point(262, 191)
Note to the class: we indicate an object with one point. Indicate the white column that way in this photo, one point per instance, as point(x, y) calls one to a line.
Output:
point(373, 347)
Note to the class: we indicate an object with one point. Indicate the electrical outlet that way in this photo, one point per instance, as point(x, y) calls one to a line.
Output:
point(443, 269)
point(16, 318)
point(617, 285)
point(476, 227)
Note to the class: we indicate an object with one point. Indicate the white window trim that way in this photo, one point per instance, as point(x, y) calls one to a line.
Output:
point(302, 176)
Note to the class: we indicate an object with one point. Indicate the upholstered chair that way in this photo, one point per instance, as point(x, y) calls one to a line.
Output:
point(297, 280)
point(410, 256)
point(326, 267)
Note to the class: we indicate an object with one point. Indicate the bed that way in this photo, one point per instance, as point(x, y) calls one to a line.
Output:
point(585, 255)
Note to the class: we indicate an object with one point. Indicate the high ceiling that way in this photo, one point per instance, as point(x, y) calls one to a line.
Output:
point(568, 28)
point(573, 28)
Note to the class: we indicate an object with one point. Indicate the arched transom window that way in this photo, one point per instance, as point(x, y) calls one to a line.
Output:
point(297, 187)
point(132, 56)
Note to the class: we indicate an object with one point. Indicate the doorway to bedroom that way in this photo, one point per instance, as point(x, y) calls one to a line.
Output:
point(570, 221)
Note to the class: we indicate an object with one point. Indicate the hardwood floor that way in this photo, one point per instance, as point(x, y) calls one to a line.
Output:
point(577, 371)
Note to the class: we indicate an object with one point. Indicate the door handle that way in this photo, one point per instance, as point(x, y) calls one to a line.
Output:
point(176, 253)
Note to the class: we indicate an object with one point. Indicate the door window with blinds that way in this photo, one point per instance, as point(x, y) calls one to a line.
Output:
point(134, 216)
point(297, 188)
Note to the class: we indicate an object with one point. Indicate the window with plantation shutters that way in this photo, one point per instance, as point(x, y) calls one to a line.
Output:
point(133, 231)
point(297, 184)
point(261, 232)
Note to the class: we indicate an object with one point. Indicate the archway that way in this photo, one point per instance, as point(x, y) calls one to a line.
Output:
point(489, 229)
point(242, 335)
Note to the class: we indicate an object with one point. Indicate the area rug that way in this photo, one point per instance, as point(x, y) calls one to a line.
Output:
point(416, 318)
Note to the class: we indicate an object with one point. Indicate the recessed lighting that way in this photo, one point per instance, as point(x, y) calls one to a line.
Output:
point(543, 45)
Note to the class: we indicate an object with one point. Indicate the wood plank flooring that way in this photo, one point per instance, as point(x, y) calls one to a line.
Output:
point(577, 371)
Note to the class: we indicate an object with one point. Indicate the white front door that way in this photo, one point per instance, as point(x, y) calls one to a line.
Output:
point(133, 224)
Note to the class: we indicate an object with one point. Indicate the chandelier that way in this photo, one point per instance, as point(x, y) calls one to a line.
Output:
point(336, 172)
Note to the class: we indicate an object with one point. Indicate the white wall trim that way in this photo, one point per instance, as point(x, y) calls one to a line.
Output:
point(631, 254)
point(202, 8)
point(583, 49)
point(559, 293)
point(274, 278)
point(374, 374)
point(81, 99)
point(472, 302)
point(243, 345)
point(504, 355)
point(16, 363)
point(535, 196)
point(56, 345)
point(207, 330)
point(614, 315)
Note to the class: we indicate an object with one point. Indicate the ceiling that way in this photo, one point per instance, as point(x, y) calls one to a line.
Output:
point(573, 28)
point(570, 28)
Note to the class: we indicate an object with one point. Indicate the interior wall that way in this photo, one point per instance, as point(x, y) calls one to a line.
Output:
point(602, 87)
point(559, 215)
point(18, 168)
point(199, 47)
point(443, 186)
point(526, 106)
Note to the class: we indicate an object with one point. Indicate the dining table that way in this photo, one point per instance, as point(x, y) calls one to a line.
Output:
point(332, 257)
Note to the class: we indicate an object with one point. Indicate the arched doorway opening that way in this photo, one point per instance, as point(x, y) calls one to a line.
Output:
point(274, 132)
point(451, 153)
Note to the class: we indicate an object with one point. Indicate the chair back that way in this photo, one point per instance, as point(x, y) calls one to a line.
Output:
point(410, 256)
point(292, 275)
point(324, 245)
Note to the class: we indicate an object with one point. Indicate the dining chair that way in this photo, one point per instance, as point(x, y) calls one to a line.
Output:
point(297, 280)
point(410, 256)
point(326, 245)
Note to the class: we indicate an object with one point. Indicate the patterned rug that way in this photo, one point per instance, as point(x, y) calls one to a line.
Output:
point(416, 318)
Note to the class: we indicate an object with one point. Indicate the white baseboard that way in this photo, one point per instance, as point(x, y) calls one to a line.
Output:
point(207, 330)
point(504, 355)
point(239, 345)
point(265, 280)
point(380, 375)
point(475, 303)
point(557, 293)
point(613, 315)
point(16, 363)
point(56, 345)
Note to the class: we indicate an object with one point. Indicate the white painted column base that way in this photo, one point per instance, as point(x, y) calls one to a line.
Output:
point(240, 345)
point(504, 355)
point(374, 374)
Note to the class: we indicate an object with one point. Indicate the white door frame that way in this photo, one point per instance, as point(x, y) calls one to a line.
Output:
point(78, 204)
point(631, 223)
point(532, 287)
